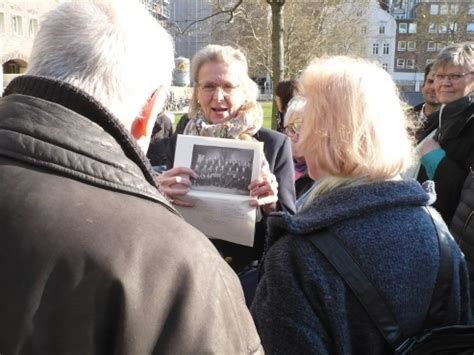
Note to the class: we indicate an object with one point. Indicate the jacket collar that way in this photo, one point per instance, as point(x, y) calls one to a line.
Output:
point(62, 128)
point(455, 116)
point(460, 105)
point(346, 203)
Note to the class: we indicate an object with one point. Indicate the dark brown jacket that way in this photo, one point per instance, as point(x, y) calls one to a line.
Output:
point(94, 260)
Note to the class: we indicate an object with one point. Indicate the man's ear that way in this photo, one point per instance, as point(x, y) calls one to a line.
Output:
point(145, 120)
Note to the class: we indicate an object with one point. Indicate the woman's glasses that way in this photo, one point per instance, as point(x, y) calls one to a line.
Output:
point(210, 88)
point(293, 128)
point(453, 78)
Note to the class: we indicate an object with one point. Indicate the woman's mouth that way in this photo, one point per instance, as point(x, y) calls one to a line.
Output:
point(219, 109)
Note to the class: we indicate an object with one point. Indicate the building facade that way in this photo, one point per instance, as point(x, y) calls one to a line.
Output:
point(160, 9)
point(19, 23)
point(381, 32)
point(423, 29)
point(190, 33)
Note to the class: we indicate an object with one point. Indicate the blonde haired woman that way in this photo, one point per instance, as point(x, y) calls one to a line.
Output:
point(354, 139)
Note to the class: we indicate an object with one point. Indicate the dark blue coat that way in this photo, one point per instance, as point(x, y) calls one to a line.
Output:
point(303, 306)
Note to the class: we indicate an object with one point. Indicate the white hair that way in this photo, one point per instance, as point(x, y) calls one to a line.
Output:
point(295, 108)
point(114, 50)
point(228, 55)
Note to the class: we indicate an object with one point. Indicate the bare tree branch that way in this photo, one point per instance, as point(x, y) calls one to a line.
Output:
point(230, 12)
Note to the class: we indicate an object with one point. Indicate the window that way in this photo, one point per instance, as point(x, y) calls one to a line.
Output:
point(434, 9)
point(410, 64)
point(375, 48)
point(400, 63)
point(432, 28)
point(411, 45)
point(384, 66)
point(442, 29)
point(443, 9)
point(402, 27)
point(470, 11)
point(11, 67)
point(440, 45)
point(452, 27)
point(454, 9)
point(17, 28)
point(2, 23)
point(386, 48)
point(33, 28)
point(470, 27)
point(381, 29)
point(431, 46)
point(402, 45)
point(412, 28)
point(364, 29)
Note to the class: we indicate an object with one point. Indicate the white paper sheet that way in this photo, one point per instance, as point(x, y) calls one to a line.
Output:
point(220, 195)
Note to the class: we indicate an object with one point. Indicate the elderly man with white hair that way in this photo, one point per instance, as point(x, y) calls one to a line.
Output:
point(94, 259)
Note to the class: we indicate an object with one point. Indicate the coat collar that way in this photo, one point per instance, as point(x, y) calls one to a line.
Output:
point(346, 203)
point(62, 128)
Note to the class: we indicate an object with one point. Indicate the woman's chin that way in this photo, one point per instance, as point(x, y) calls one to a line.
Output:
point(217, 118)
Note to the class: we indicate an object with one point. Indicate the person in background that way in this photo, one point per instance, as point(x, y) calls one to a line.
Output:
point(163, 126)
point(284, 92)
point(357, 151)
point(291, 126)
point(94, 259)
point(224, 105)
point(447, 151)
point(430, 105)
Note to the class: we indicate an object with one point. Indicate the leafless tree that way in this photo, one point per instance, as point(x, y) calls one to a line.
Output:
point(280, 37)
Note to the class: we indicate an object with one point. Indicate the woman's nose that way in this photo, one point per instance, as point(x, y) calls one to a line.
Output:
point(219, 94)
point(446, 81)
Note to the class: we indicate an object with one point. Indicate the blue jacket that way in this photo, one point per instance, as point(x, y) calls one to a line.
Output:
point(303, 306)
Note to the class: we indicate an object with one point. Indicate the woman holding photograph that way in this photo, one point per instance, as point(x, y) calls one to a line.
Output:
point(224, 105)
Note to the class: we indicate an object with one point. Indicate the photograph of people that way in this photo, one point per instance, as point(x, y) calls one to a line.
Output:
point(222, 169)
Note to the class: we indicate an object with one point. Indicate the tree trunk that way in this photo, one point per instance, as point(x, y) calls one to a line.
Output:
point(277, 50)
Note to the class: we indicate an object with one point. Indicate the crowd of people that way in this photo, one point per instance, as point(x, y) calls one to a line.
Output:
point(96, 258)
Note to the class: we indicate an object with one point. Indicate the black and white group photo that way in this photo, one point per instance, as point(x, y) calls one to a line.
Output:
point(221, 169)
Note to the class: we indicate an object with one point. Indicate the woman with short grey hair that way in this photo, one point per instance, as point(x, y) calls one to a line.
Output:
point(447, 156)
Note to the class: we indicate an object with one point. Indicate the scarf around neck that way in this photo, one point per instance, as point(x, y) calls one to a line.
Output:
point(242, 127)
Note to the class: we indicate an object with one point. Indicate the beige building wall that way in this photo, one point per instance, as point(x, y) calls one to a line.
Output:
point(19, 23)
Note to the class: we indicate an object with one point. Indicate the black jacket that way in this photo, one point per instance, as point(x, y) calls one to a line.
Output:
point(277, 150)
point(462, 227)
point(456, 137)
point(94, 260)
